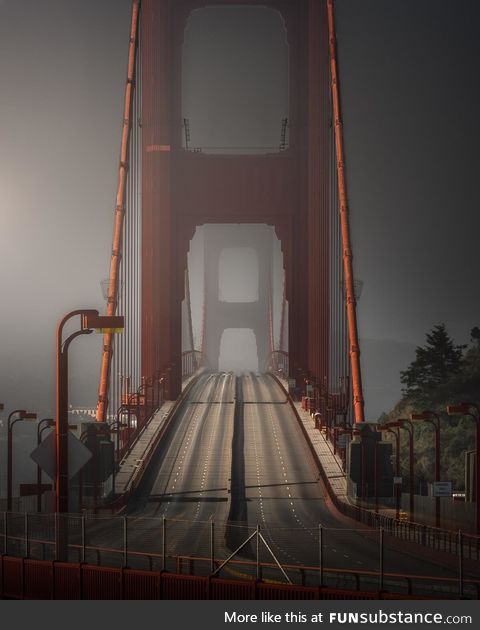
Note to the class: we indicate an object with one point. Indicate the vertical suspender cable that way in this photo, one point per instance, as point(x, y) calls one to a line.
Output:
point(282, 319)
point(138, 215)
point(346, 245)
point(203, 349)
point(119, 216)
point(189, 309)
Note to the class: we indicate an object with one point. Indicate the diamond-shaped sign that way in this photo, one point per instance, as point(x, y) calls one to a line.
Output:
point(78, 455)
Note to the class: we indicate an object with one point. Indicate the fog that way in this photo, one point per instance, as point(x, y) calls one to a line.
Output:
point(410, 97)
point(232, 271)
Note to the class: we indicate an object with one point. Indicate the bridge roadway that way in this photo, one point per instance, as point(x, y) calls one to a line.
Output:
point(188, 482)
point(236, 455)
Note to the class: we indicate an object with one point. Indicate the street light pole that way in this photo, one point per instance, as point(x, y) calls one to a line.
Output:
point(118, 423)
point(143, 391)
point(116, 427)
point(22, 415)
point(434, 419)
point(61, 426)
point(408, 426)
point(47, 423)
point(132, 397)
point(90, 321)
point(465, 410)
point(389, 427)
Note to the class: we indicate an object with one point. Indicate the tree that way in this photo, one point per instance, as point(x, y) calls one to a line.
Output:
point(471, 360)
point(475, 335)
point(434, 364)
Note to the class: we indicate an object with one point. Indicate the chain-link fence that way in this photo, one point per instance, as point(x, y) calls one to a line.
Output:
point(362, 559)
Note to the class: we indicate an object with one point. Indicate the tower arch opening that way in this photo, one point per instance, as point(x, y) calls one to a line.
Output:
point(238, 351)
point(235, 94)
point(238, 275)
point(236, 282)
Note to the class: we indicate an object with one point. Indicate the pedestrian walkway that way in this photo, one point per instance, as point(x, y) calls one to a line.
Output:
point(135, 460)
point(331, 463)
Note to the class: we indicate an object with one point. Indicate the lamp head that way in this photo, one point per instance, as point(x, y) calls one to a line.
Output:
point(91, 320)
point(28, 415)
point(458, 410)
point(419, 416)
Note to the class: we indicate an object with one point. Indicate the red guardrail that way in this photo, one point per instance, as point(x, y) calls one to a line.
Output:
point(21, 578)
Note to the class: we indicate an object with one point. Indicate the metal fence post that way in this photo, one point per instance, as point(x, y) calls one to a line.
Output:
point(56, 535)
point(381, 560)
point(258, 555)
point(164, 541)
point(5, 533)
point(460, 563)
point(212, 546)
point(83, 538)
point(26, 535)
point(125, 542)
point(320, 554)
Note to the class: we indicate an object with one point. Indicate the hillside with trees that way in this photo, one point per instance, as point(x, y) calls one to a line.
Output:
point(442, 373)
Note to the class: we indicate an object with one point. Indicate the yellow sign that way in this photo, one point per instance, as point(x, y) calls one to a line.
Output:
point(106, 331)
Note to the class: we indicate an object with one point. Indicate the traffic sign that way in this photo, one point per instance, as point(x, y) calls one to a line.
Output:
point(78, 455)
point(442, 489)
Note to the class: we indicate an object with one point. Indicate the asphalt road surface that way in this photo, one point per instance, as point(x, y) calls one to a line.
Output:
point(188, 483)
point(237, 457)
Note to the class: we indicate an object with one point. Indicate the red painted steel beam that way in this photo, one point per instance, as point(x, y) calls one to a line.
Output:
point(358, 402)
point(317, 184)
point(113, 287)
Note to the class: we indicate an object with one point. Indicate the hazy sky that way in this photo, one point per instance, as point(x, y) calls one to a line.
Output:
point(410, 94)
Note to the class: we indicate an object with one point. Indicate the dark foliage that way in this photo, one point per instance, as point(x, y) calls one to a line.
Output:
point(442, 373)
point(434, 364)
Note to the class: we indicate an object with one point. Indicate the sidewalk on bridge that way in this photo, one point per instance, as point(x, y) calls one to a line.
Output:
point(134, 459)
point(331, 463)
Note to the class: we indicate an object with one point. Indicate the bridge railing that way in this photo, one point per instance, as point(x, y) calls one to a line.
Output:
point(436, 538)
point(192, 360)
point(155, 544)
point(24, 578)
point(278, 363)
point(135, 412)
point(439, 539)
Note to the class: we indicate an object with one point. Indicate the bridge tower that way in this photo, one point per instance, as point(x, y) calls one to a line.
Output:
point(183, 189)
point(299, 190)
point(222, 315)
